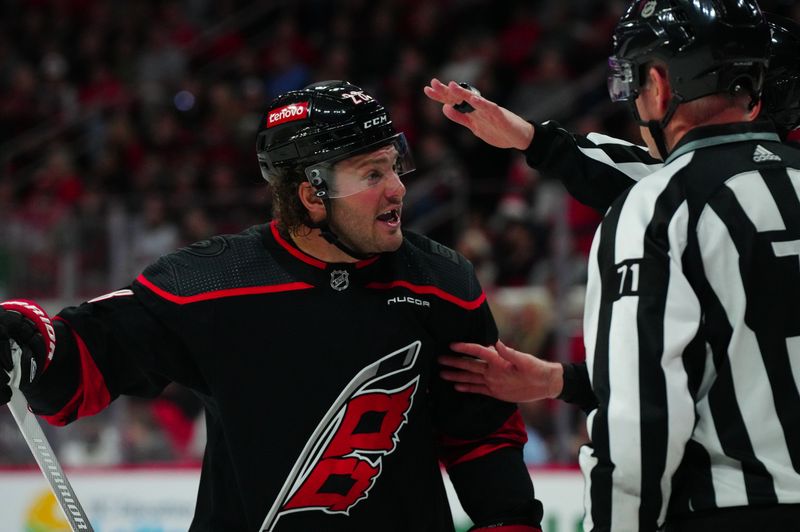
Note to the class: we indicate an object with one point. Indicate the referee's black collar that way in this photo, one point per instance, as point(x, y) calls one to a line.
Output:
point(706, 136)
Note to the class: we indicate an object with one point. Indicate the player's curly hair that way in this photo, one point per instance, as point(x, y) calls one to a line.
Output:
point(287, 209)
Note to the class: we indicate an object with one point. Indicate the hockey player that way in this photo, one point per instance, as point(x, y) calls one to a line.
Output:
point(595, 169)
point(312, 341)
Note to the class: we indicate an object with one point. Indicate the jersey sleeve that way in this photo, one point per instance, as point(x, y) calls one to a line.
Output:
point(113, 345)
point(481, 439)
point(641, 317)
point(577, 388)
point(594, 168)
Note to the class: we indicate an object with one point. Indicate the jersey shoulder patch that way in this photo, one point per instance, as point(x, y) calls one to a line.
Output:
point(431, 263)
point(431, 246)
point(444, 251)
point(210, 247)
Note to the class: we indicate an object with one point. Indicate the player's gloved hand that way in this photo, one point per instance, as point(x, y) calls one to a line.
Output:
point(28, 325)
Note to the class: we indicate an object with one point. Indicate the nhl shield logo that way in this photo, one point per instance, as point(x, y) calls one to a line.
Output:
point(649, 8)
point(340, 280)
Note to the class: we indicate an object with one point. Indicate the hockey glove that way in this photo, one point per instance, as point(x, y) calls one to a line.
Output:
point(29, 326)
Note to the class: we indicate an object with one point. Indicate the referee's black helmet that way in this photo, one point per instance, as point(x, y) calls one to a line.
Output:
point(709, 47)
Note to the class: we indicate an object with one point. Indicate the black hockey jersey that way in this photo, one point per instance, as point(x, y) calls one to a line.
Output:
point(324, 406)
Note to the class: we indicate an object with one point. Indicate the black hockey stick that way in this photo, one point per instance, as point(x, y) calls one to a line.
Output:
point(43, 453)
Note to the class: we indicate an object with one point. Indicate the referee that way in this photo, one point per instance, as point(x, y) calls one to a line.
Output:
point(692, 318)
point(694, 300)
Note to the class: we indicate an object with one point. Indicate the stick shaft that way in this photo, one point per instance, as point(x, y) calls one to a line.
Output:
point(46, 458)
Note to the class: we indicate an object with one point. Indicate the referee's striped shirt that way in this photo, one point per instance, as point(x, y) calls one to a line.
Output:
point(692, 329)
point(595, 169)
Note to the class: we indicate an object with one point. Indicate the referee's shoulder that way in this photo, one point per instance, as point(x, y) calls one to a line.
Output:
point(666, 180)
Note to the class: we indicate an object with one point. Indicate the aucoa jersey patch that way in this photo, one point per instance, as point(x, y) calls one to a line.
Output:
point(342, 459)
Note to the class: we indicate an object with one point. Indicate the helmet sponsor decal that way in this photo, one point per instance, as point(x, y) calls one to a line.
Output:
point(287, 113)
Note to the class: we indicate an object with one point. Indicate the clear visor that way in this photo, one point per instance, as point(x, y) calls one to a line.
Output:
point(369, 167)
point(622, 87)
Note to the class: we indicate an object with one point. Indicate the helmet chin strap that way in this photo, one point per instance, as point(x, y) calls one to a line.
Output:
point(656, 127)
point(327, 233)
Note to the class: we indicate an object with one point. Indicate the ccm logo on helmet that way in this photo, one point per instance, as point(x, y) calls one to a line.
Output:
point(287, 113)
point(378, 120)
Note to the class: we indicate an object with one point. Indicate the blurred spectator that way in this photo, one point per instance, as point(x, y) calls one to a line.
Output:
point(475, 244)
point(92, 242)
point(196, 225)
point(518, 245)
point(152, 234)
point(57, 180)
point(536, 450)
point(176, 410)
point(142, 437)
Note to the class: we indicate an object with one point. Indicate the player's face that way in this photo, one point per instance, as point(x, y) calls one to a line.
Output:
point(369, 221)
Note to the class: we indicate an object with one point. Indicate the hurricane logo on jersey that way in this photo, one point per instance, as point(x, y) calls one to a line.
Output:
point(342, 459)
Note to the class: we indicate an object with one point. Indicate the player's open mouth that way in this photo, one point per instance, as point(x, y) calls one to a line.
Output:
point(391, 218)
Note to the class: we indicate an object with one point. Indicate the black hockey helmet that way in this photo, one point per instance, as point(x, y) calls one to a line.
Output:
point(321, 124)
point(782, 85)
point(709, 46)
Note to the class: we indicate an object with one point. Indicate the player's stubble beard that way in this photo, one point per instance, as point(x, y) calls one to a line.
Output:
point(358, 232)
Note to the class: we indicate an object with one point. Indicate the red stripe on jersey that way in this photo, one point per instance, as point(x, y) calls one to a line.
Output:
point(454, 451)
point(92, 394)
point(366, 262)
point(431, 290)
point(308, 259)
point(476, 453)
point(219, 294)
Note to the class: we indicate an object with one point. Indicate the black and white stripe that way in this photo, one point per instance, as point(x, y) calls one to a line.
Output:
point(594, 168)
point(618, 155)
point(692, 331)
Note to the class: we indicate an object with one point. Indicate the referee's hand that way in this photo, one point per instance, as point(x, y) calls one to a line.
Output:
point(501, 372)
point(488, 121)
